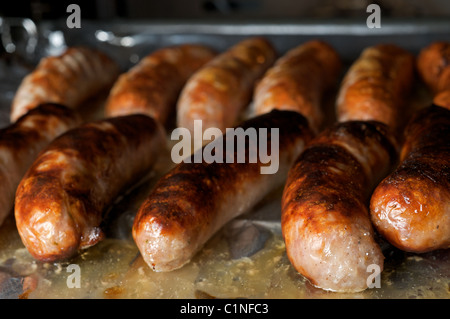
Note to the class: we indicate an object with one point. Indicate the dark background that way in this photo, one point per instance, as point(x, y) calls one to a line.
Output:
point(223, 9)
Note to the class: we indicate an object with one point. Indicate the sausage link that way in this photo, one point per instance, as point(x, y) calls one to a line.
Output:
point(153, 85)
point(376, 86)
point(194, 200)
point(69, 79)
point(220, 90)
point(21, 142)
point(325, 220)
point(299, 80)
point(411, 207)
point(433, 65)
point(61, 200)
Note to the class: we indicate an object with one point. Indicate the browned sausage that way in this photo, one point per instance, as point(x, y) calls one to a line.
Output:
point(153, 85)
point(219, 91)
point(411, 207)
point(61, 200)
point(69, 79)
point(325, 220)
point(21, 142)
point(376, 86)
point(194, 200)
point(299, 80)
point(443, 99)
point(433, 65)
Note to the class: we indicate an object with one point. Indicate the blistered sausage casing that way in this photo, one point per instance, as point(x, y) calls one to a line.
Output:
point(411, 207)
point(194, 200)
point(21, 142)
point(61, 201)
point(325, 220)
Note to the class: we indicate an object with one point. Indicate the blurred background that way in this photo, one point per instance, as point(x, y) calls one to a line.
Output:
point(224, 9)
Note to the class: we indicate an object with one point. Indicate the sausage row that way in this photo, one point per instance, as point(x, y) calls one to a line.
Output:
point(328, 176)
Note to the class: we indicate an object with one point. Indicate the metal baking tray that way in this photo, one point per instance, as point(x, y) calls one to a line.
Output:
point(246, 259)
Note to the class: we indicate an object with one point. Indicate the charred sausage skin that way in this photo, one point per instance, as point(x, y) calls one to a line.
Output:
point(325, 220)
point(21, 142)
point(411, 207)
point(62, 199)
point(194, 200)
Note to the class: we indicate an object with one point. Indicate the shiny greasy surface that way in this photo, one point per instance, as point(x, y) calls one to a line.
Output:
point(325, 221)
point(411, 207)
point(61, 201)
point(220, 90)
point(194, 200)
point(69, 79)
point(21, 142)
point(112, 269)
point(153, 85)
point(377, 86)
point(299, 81)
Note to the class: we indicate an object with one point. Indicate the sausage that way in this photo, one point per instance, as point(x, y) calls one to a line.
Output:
point(376, 86)
point(433, 65)
point(219, 91)
point(21, 142)
point(411, 207)
point(325, 220)
point(194, 200)
point(299, 80)
point(442, 99)
point(153, 85)
point(69, 79)
point(63, 197)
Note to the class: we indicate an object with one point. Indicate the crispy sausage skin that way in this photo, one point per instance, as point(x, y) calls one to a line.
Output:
point(219, 91)
point(433, 65)
point(61, 200)
point(153, 85)
point(299, 80)
point(194, 200)
point(325, 220)
point(69, 79)
point(376, 86)
point(411, 207)
point(21, 142)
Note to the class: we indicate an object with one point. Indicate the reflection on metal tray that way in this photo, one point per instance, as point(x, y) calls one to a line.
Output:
point(246, 259)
